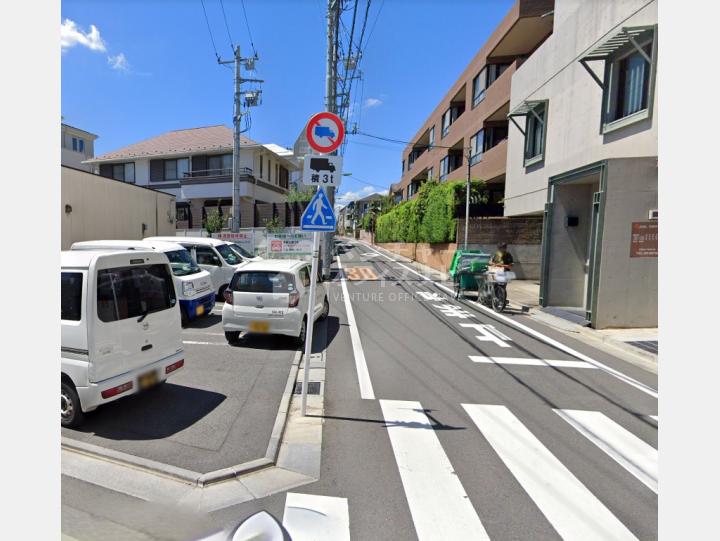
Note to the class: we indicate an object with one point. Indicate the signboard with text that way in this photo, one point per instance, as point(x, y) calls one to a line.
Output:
point(289, 244)
point(322, 170)
point(644, 239)
point(245, 239)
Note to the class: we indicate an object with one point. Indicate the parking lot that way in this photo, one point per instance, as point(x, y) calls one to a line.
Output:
point(217, 412)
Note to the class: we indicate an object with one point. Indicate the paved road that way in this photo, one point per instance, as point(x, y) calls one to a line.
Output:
point(472, 426)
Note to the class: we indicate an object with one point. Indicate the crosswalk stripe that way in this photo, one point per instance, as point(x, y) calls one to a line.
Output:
point(530, 362)
point(569, 506)
point(309, 517)
point(632, 453)
point(653, 417)
point(438, 503)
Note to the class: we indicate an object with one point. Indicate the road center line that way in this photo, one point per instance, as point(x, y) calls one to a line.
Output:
point(530, 362)
point(439, 505)
point(366, 388)
point(562, 347)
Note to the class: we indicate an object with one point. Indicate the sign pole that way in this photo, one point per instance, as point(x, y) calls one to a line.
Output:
point(310, 320)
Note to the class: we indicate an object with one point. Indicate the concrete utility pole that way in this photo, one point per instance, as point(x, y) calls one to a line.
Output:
point(252, 98)
point(467, 198)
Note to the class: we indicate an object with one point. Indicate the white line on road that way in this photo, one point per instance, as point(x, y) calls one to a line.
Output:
point(366, 388)
point(316, 518)
point(488, 333)
point(574, 512)
point(632, 453)
point(438, 503)
point(653, 417)
point(193, 342)
point(530, 362)
point(570, 351)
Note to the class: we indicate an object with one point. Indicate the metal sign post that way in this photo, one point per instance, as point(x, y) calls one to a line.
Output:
point(310, 321)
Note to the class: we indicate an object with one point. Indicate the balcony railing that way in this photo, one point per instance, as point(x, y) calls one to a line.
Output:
point(216, 173)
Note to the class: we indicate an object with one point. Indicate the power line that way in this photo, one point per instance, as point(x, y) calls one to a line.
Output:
point(227, 27)
point(209, 30)
point(400, 141)
point(247, 25)
point(377, 16)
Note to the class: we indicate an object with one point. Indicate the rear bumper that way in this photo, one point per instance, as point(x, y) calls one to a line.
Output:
point(289, 324)
point(191, 306)
point(91, 396)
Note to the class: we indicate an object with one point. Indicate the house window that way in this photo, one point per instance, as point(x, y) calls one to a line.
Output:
point(445, 127)
point(431, 172)
point(403, 166)
point(176, 169)
point(124, 171)
point(494, 71)
point(444, 163)
point(535, 133)
point(628, 88)
point(261, 166)
point(493, 136)
point(477, 145)
point(478, 87)
point(78, 144)
point(432, 137)
point(220, 165)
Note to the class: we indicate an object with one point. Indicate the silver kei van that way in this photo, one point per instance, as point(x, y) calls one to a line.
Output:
point(120, 323)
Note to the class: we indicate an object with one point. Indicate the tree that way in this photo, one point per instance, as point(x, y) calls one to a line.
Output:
point(214, 222)
point(300, 196)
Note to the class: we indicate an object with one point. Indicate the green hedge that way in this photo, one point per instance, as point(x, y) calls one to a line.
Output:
point(430, 217)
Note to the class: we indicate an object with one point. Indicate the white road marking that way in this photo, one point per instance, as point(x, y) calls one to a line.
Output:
point(309, 517)
point(632, 453)
point(428, 296)
point(438, 503)
point(570, 351)
point(488, 334)
point(530, 362)
point(451, 310)
point(366, 388)
point(653, 417)
point(205, 343)
point(574, 512)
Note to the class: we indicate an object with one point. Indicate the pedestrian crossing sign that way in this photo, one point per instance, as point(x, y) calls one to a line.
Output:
point(318, 215)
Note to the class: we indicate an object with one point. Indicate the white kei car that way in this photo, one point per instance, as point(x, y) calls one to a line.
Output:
point(271, 297)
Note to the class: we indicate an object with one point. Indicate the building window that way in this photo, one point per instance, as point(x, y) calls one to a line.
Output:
point(478, 87)
point(124, 171)
point(494, 71)
point(431, 173)
point(220, 165)
point(444, 163)
point(261, 166)
point(477, 145)
point(403, 166)
point(176, 169)
point(535, 133)
point(445, 125)
point(628, 82)
point(431, 137)
point(78, 144)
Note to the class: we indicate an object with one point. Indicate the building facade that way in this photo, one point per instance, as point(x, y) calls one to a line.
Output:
point(195, 165)
point(76, 146)
point(470, 122)
point(582, 152)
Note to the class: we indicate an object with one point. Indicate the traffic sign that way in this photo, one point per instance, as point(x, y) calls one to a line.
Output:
point(322, 170)
point(325, 132)
point(318, 215)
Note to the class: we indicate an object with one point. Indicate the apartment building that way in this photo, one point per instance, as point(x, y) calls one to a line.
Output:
point(195, 165)
point(77, 146)
point(582, 151)
point(473, 113)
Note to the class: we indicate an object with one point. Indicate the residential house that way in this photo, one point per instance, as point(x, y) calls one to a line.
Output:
point(77, 146)
point(584, 153)
point(195, 165)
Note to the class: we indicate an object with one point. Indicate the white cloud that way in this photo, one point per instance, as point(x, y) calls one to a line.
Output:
point(347, 197)
point(71, 35)
point(119, 62)
point(373, 102)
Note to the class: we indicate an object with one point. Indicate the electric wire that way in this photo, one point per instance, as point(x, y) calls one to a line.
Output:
point(247, 25)
point(212, 40)
point(227, 27)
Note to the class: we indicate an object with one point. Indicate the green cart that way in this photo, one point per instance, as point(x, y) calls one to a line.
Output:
point(468, 269)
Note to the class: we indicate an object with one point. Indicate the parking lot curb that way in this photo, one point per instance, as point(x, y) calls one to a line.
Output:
point(196, 478)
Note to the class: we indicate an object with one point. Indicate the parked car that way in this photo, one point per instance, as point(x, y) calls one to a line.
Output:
point(193, 285)
point(120, 327)
point(247, 256)
point(271, 297)
point(213, 255)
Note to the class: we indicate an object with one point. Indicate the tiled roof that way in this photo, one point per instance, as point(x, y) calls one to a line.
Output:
point(192, 140)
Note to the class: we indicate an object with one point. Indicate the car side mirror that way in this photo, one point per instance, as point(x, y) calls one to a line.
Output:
point(216, 261)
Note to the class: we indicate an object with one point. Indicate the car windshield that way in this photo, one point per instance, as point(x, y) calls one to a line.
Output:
point(227, 253)
point(182, 263)
point(263, 282)
point(240, 251)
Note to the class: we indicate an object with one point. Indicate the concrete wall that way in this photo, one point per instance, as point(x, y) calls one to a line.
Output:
point(103, 208)
point(628, 286)
point(574, 138)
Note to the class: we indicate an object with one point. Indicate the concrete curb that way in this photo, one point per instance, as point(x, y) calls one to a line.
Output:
point(196, 478)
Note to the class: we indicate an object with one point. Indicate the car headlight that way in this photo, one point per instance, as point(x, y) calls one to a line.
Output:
point(188, 289)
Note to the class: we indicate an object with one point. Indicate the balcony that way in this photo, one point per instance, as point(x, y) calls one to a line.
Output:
point(206, 176)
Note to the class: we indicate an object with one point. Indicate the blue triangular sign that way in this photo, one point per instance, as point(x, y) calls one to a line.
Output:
point(318, 215)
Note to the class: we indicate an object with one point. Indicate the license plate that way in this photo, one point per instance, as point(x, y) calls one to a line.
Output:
point(259, 326)
point(200, 310)
point(148, 379)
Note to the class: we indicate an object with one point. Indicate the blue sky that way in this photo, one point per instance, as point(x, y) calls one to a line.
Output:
point(149, 67)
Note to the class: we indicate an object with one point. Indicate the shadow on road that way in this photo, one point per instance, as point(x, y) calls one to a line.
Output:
point(204, 322)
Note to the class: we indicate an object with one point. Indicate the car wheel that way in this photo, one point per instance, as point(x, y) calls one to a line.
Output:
point(71, 414)
point(300, 339)
point(232, 336)
point(326, 310)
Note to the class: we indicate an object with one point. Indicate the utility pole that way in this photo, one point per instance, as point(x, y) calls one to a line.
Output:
point(467, 197)
point(252, 98)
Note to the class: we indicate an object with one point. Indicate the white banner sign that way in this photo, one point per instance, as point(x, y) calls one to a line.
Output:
point(322, 170)
point(282, 244)
point(245, 239)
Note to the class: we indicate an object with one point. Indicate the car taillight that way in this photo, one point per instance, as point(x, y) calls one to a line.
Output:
point(228, 296)
point(293, 299)
point(108, 393)
point(174, 366)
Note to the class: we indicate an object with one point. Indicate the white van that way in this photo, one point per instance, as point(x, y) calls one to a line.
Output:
point(213, 255)
point(120, 327)
point(193, 285)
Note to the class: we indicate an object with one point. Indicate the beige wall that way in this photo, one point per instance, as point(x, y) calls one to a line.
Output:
point(575, 100)
point(103, 208)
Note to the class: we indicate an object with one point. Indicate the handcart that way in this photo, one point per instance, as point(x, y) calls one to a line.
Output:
point(467, 270)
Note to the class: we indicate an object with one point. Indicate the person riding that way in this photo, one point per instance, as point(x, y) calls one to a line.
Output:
point(502, 258)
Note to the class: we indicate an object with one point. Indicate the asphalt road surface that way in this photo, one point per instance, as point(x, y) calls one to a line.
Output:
point(446, 421)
